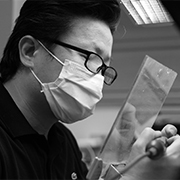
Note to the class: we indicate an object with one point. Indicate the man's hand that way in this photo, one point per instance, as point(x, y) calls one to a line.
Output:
point(165, 168)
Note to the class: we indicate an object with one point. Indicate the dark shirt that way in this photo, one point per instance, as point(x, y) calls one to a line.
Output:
point(24, 154)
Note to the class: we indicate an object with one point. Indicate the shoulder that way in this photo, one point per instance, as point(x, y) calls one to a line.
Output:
point(5, 144)
point(4, 133)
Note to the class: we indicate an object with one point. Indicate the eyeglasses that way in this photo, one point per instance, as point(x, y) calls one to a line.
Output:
point(93, 62)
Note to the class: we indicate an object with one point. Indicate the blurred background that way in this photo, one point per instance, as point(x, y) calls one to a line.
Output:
point(132, 42)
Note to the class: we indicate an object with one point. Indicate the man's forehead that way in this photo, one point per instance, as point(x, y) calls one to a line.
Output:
point(89, 33)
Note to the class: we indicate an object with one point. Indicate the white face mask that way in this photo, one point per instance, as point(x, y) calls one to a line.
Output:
point(75, 93)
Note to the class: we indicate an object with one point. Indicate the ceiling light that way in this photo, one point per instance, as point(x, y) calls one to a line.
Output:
point(147, 11)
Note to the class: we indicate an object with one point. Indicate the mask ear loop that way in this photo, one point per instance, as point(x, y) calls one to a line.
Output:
point(52, 56)
point(37, 79)
point(50, 53)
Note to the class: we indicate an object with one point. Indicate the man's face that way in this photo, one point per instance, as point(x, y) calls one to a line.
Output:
point(88, 34)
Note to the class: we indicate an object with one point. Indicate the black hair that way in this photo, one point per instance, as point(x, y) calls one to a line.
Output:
point(50, 19)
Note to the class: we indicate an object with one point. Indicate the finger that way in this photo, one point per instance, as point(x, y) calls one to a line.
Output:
point(173, 148)
point(129, 108)
point(146, 136)
point(128, 117)
point(169, 131)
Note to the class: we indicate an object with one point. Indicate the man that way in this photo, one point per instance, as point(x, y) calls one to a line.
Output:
point(52, 70)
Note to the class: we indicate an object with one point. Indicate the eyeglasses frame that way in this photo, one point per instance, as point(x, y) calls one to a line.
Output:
point(103, 67)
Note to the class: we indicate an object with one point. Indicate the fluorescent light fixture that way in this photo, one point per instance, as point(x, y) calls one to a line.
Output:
point(147, 11)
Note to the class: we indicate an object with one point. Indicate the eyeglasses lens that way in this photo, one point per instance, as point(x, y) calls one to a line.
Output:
point(109, 75)
point(94, 64)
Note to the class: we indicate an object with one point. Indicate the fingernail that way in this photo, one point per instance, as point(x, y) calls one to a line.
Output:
point(172, 131)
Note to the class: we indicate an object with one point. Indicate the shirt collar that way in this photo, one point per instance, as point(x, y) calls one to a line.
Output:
point(12, 117)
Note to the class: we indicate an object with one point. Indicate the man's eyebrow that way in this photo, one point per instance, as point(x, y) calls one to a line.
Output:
point(98, 50)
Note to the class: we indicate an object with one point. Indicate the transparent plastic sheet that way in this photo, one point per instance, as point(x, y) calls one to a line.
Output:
point(140, 110)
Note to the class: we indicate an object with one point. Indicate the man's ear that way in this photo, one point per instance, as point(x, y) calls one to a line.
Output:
point(28, 47)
